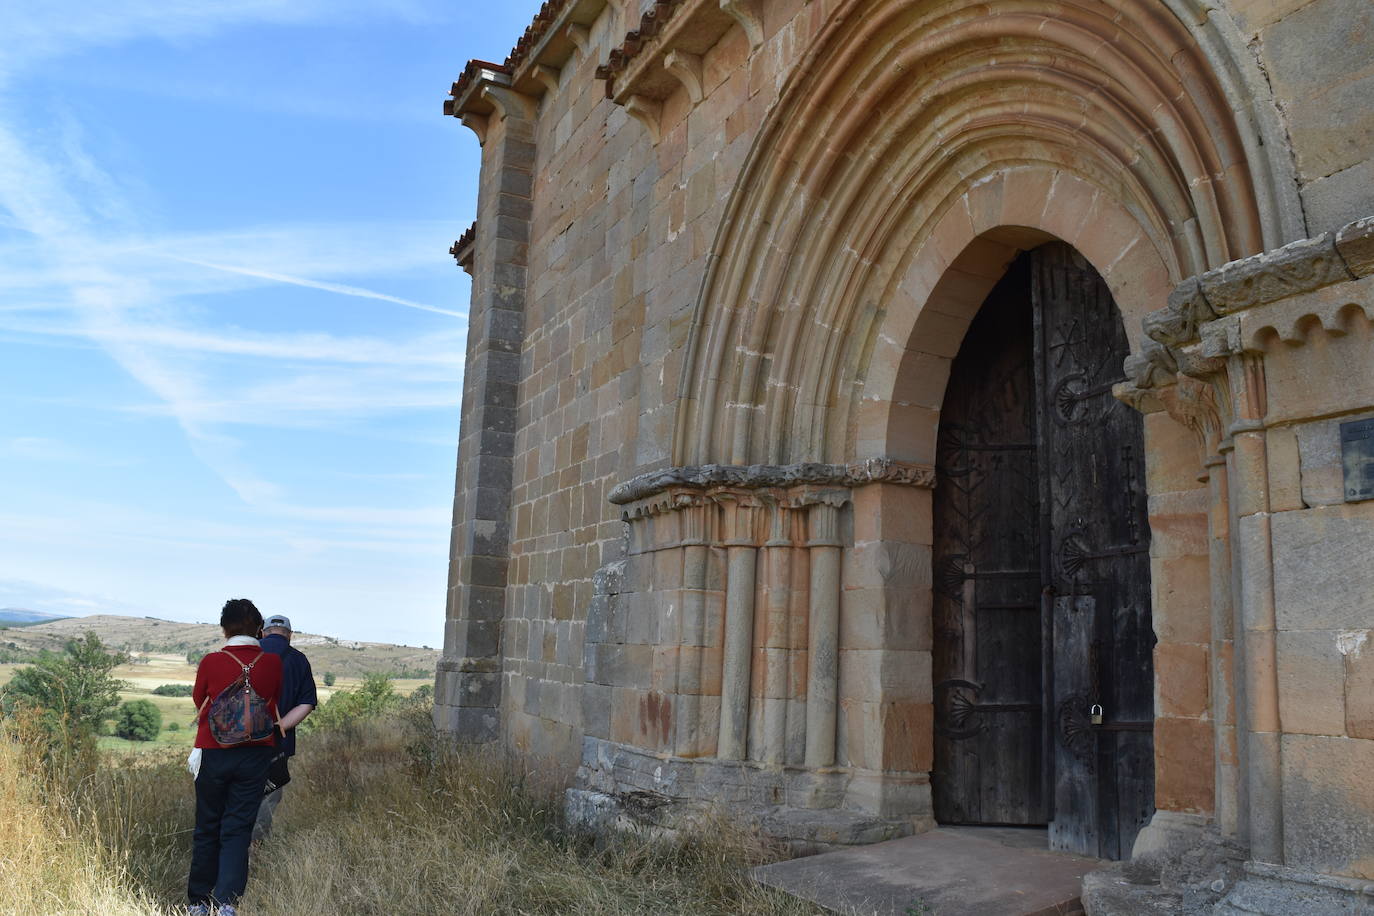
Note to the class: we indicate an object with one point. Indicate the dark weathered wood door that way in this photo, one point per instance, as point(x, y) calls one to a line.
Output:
point(989, 695)
point(1042, 570)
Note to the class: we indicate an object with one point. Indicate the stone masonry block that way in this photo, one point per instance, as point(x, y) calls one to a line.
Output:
point(1328, 804)
point(1181, 675)
point(1357, 648)
point(1322, 574)
point(1183, 765)
point(1311, 682)
point(1182, 593)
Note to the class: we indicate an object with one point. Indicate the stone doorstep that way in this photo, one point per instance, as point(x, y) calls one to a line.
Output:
point(950, 871)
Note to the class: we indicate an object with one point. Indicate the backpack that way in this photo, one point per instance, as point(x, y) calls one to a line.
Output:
point(238, 715)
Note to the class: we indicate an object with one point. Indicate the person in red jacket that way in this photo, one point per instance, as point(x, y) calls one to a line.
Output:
point(230, 783)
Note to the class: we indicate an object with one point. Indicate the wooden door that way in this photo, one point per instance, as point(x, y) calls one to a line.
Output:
point(989, 766)
point(1041, 597)
point(1096, 566)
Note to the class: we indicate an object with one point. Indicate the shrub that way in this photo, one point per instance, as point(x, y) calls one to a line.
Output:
point(345, 708)
point(193, 656)
point(173, 690)
point(62, 699)
point(138, 720)
point(329, 679)
point(173, 726)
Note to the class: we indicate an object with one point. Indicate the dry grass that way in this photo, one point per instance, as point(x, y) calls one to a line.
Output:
point(378, 820)
point(48, 866)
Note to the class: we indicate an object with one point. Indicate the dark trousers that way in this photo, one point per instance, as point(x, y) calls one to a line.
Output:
point(228, 792)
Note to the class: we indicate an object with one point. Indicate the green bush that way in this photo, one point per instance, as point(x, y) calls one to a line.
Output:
point(329, 679)
point(61, 700)
point(138, 720)
point(345, 708)
point(173, 726)
point(173, 690)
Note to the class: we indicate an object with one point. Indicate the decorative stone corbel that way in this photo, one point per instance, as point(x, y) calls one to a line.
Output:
point(688, 69)
point(647, 112)
point(581, 36)
point(510, 103)
point(547, 75)
point(476, 123)
point(749, 15)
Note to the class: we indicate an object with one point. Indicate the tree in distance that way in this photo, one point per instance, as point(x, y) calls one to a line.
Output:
point(138, 720)
point(63, 698)
point(173, 690)
point(329, 679)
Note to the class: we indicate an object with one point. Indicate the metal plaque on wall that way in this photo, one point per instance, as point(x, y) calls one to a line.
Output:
point(1357, 451)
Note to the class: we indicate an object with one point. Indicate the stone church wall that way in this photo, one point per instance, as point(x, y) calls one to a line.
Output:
point(588, 621)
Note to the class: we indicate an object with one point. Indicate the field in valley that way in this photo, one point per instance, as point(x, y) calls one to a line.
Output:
point(158, 655)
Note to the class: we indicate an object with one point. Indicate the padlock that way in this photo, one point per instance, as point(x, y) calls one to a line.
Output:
point(1097, 714)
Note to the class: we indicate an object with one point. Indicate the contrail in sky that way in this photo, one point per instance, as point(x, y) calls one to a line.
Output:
point(317, 284)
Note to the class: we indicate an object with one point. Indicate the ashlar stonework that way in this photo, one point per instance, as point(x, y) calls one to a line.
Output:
point(728, 268)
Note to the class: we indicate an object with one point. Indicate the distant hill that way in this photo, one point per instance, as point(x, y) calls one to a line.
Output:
point(19, 617)
point(151, 636)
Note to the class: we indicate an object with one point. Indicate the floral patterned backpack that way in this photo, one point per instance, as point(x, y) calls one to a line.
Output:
point(239, 715)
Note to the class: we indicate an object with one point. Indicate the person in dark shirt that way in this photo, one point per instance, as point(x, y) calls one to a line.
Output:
point(230, 779)
point(297, 699)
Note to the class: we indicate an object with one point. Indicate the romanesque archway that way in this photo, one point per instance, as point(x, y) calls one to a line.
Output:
point(915, 153)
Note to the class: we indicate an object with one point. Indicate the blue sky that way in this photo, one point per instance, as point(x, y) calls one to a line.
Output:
point(231, 338)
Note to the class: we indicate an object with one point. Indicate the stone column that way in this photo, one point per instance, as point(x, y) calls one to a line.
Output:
point(1249, 486)
point(773, 640)
point(740, 510)
point(468, 684)
point(822, 670)
point(692, 736)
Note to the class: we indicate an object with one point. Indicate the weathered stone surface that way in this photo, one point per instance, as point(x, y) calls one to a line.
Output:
point(1322, 574)
point(1355, 242)
point(1311, 682)
point(1328, 805)
point(1357, 649)
point(953, 871)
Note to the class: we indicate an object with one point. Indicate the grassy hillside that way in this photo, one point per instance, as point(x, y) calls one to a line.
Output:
point(150, 641)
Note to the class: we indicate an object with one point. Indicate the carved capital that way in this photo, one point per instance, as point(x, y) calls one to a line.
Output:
point(823, 525)
point(1194, 404)
point(741, 512)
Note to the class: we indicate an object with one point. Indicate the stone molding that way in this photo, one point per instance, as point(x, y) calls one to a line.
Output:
point(665, 52)
point(1301, 267)
point(464, 249)
point(769, 476)
point(559, 30)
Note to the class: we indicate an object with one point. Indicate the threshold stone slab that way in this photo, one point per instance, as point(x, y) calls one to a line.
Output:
point(951, 871)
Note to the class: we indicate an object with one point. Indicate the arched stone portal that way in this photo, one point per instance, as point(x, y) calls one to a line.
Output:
point(917, 150)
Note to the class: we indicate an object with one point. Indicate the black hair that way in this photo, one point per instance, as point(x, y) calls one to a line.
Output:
point(240, 617)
